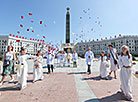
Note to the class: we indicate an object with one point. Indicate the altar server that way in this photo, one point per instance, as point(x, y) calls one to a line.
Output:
point(69, 57)
point(125, 62)
point(89, 56)
point(59, 58)
point(75, 58)
point(64, 56)
point(38, 67)
point(103, 66)
point(22, 68)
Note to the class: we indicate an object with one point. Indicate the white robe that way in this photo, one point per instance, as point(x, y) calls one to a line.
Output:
point(89, 60)
point(75, 57)
point(22, 72)
point(64, 56)
point(103, 68)
point(113, 66)
point(38, 72)
point(59, 58)
point(126, 75)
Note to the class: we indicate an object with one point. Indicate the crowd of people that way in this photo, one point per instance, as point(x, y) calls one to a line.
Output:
point(123, 62)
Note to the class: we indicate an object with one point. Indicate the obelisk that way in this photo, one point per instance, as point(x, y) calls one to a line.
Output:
point(68, 26)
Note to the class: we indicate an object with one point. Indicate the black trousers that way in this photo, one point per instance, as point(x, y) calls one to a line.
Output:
point(89, 68)
point(50, 67)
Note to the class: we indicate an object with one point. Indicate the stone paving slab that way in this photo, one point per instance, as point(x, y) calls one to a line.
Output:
point(59, 87)
point(107, 90)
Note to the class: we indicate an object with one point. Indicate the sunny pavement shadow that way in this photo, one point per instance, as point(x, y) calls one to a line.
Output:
point(97, 78)
point(76, 73)
point(117, 97)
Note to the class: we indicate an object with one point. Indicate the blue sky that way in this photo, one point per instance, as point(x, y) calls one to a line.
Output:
point(115, 16)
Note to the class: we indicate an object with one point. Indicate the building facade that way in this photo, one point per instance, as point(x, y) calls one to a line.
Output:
point(32, 45)
point(97, 46)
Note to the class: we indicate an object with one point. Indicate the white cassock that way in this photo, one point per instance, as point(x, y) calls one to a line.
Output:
point(126, 75)
point(22, 72)
point(69, 57)
point(113, 66)
point(103, 67)
point(89, 60)
point(64, 56)
point(75, 57)
point(38, 72)
point(59, 57)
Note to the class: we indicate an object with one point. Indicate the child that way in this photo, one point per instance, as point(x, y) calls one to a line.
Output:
point(125, 62)
point(103, 66)
point(38, 70)
point(22, 68)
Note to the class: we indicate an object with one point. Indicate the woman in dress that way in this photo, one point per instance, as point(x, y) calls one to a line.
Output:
point(7, 61)
point(38, 67)
point(125, 62)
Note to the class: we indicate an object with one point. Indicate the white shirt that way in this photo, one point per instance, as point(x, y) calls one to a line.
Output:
point(50, 57)
point(124, 61)
point(74, 57)
point(87, 54)
point(9, 55)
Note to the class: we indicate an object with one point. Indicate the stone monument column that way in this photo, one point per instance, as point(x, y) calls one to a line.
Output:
point(68, 26)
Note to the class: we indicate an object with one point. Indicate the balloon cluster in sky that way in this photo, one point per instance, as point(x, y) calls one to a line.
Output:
point(89, 25)
point(34, 32)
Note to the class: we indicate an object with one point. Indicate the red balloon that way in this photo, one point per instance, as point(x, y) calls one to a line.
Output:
point(27, 29)
point(33, 31)
point(44, 37)
point(18, 32)
point(40, 22)
point(30, 13)
point(21, 25)
point(22, 17)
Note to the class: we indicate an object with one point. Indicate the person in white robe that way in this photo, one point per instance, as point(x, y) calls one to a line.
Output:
point(75, 59)
point(112, 53)
point(64, 56)
point(22, 68)
point(69, 58)
point(103, 66)
point(59, 59)
point(50, 60)
point(125, 63)
point(89, 56)
point(38, 67)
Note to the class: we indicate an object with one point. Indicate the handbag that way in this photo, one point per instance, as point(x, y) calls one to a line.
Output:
point(19, 65)
point(6, 63)
point(115, 61)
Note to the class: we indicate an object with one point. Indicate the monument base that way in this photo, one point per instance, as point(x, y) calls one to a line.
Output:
point(68, 47)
